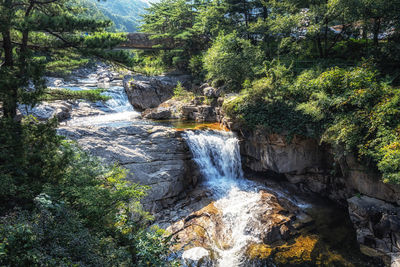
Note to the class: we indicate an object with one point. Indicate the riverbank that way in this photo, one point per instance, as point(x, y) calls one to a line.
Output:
point(159, 154)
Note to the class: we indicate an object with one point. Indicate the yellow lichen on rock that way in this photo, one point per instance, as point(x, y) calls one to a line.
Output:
point(299, 251)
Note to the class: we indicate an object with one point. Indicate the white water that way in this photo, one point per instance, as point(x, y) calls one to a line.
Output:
point(217, 154)
point(117, 110)
point(218, 157)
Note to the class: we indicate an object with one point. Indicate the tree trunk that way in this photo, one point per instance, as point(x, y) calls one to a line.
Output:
point(7, 46)
point(377, 28)
point(319, 46)
point(10, 102)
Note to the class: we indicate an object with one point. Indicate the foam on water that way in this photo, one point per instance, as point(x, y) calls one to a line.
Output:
point(118, 111)
point(218, 157)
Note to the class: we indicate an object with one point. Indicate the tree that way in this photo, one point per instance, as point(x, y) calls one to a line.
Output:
point(33, 30)
point(379, 17)
point(232, 60)
point(173, 20)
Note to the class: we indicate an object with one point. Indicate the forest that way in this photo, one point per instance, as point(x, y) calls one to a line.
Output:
point(326, 69)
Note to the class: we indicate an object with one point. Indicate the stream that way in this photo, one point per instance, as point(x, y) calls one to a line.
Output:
point(238, 221)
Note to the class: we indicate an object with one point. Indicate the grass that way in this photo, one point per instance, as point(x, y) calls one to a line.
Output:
point(66, 94)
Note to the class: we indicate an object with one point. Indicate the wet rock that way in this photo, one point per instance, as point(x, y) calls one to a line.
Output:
point(211, 92)
point(197, 257)
point(149, 92)
point(378, 227)
point(153, 155)
point(46, 110)
point(157, 114)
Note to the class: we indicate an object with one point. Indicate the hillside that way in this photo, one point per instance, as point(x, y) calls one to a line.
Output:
point(124, 13)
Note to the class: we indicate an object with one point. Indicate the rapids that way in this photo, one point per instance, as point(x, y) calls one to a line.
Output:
point(218, 157)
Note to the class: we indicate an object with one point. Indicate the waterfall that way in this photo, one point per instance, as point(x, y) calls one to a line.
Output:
point(218, 157)
point(116, 111)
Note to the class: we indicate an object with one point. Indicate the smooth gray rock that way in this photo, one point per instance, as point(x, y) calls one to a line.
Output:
point(153, 155)
point(46, 110)
point(148, 92)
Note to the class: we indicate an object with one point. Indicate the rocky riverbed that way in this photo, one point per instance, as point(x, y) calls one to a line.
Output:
point(216, 215)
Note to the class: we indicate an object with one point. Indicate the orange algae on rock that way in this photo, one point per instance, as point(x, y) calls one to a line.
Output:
point(201, 126)
point(301, 250)
point(260, 251)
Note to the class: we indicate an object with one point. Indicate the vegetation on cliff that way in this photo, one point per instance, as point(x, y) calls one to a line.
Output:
point(324, 69)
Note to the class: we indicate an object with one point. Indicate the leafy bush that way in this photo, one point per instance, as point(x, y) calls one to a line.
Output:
point(65, 207)
point(181, 94)
point(196, 67)
point(349, 109)
point(149, 65)
point(232, 60)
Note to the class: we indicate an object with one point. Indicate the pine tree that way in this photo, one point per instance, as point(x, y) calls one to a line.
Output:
point(32, 31)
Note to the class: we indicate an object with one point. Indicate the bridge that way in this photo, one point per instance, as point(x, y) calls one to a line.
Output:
point(143, 41)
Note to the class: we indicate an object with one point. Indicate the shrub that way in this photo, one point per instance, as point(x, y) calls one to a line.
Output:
point(349, 109)
point(232, 60)
point(65, 207)
point(67, 94)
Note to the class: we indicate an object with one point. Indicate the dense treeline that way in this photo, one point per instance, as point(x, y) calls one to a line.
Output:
point(324, 69)
point(59, 206)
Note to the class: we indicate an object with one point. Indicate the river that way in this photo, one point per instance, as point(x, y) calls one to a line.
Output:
point(247, 223)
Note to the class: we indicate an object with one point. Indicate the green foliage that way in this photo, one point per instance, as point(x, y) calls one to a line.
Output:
point(181, 94)
point(350, 109)
point(196, 67)
point(232, 60)
point(69, 208)
point(174, 21)
point(29, 158)
point(62, 64)
point(149, 64)
point(67, 94)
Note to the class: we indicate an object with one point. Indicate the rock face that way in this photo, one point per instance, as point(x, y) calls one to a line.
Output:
point(273, 152)
point(194, 110)
point(378, 227)
point(306, 163)
point(46, 110)
point(153, 155)
point(149, 92)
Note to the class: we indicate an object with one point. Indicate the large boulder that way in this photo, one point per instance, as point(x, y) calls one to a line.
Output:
point(377, 225)
point(273, 152)
point(59, 109)
point(153, 155)
point(157, 114)
point(149, 92)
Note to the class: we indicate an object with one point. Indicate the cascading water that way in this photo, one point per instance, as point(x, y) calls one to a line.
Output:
point(217, 155)
point(116, 109)
point(113, 112)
